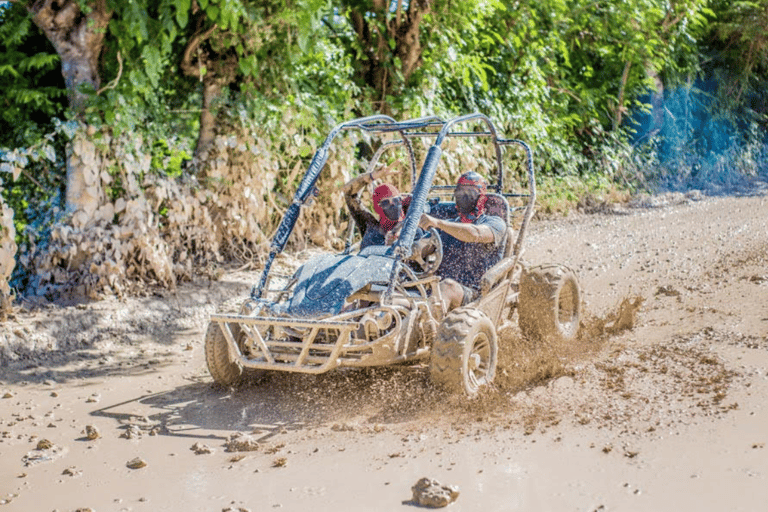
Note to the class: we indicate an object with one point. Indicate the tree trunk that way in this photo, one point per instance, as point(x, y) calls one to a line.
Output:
point(373, 34)
point(7, 258)
point(618, 115)
point(211, 93)
point(657, 102)
point(78, 38)
point(220, 71)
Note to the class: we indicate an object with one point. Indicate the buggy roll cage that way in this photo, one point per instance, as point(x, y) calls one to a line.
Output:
point(430, 126)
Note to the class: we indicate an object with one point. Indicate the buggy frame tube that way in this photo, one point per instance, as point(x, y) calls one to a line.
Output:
point(444, 132)
point(303, 193)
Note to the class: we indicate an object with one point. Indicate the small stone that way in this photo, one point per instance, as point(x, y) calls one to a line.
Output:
point(54, 394)
point(241, 443)
point(136, 463)
point(431, 493)
point(44, 444)
point(667, 290)
point(8, 394)
point(72, 471)
point(200, 449)
point(131, 432)
point(92, 432)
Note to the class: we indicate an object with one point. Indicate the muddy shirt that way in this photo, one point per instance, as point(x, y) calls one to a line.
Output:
point(373, 234)
point(466, 262)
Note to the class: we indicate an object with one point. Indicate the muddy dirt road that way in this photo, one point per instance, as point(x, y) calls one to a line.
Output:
point(107, 406)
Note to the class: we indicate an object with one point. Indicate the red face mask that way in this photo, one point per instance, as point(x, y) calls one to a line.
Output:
point(383, 192)
point(470, 196)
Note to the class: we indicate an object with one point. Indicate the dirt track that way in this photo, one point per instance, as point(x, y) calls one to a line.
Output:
point(671, 415)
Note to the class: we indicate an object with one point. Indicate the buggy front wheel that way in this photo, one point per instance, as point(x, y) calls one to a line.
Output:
point(222, 364)
point(465, 352)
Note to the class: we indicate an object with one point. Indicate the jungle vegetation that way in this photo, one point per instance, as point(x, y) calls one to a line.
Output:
point(148, 141)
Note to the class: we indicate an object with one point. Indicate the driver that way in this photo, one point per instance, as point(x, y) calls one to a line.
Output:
point(472, 242)
point(390, 207)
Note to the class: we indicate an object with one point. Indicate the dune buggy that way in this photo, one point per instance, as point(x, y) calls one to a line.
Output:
point(382, 305)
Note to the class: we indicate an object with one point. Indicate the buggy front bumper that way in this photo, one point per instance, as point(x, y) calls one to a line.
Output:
point(373, 337)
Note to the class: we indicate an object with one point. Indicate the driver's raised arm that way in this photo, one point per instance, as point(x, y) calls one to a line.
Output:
point(466, 232)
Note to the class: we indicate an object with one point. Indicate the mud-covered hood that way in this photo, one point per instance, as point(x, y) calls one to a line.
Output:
point(326, 281)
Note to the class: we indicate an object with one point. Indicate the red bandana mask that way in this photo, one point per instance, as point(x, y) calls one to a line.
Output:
point(382, 192)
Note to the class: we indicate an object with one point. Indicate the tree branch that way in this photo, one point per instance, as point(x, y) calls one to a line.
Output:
point(622, 86)
point(186, 60)
point(112, 84)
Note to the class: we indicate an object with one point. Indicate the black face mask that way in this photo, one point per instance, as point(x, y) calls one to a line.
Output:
point(392, 208)
point(466, 199)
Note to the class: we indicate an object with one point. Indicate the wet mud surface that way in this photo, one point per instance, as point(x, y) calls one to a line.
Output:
point(108, 405)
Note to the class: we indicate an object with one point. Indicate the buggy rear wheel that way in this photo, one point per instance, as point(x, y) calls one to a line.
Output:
point(465, 352)
point(222, 364)
point(549, 304)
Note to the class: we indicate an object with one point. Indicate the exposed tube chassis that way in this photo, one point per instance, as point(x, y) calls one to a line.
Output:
point(374, 336)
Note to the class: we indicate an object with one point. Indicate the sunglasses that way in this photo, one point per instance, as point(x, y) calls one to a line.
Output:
point(390, 201)
point(465, 192)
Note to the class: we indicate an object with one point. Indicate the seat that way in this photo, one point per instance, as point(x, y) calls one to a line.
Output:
point(497, 205)
point(445, 210)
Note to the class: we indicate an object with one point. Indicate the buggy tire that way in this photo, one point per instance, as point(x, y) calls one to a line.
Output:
point(222, 364)
point(549, 304)
point(465, 352)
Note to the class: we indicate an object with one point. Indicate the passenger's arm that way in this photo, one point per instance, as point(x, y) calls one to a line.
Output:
point(356, 184)
point(352, 188)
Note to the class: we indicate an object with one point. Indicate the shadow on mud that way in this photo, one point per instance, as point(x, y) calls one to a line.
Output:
point(267, 405)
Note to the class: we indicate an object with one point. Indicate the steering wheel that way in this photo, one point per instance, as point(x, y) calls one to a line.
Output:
point(427, 252)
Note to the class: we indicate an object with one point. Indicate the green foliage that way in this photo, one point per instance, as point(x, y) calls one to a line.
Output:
point(31, 87)
point(36, 195)
point(564, 75)
point(168, 160)
point(738, 41)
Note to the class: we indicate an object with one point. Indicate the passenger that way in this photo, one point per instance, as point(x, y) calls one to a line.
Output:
point(472, 242)
point(388, 203)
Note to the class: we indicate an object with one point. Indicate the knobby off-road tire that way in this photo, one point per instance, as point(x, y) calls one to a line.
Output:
point(222, 365)
point(465, 352)
point(549, 304)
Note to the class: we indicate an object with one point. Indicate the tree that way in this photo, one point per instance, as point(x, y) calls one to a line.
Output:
point(77, 36)
point(739, 37)
point(392, 40)
point(251, 43)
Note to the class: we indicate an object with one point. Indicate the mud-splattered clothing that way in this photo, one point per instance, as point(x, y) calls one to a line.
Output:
point(466, 262)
